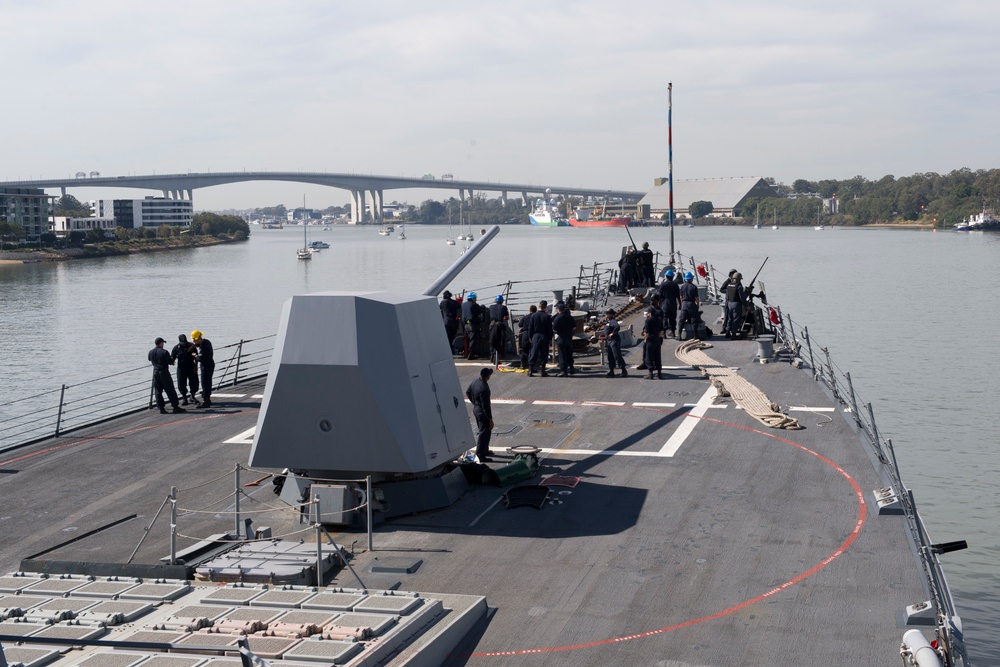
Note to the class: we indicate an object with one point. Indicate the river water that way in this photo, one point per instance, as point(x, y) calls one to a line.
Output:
point(909, 313)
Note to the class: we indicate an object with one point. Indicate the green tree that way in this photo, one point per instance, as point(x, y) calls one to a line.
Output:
point(95, 236)
point(123, 233)
point(70, 206)
point(10, 231)
point(803, 186)
point(699, 209)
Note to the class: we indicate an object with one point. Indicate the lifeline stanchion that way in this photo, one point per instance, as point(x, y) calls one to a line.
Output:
point(236, 474)
point(62, 395)
point(812, 362)
point(319, 544)
point(147, 529)
point(368, 508)
point(829, 370)
point(173, 525)
point(854, 400)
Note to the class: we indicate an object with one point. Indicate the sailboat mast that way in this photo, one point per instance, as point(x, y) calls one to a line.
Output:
point(670, 162)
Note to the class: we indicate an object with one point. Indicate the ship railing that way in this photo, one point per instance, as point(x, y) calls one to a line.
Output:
point(71, 407)
point(895, 496)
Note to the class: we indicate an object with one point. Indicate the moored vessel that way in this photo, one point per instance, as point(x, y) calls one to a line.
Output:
point(546, 214)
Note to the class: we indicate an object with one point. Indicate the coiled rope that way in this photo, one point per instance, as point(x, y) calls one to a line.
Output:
point(728, 382)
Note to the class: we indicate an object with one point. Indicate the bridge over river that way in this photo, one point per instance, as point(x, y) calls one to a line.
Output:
point(361, 186)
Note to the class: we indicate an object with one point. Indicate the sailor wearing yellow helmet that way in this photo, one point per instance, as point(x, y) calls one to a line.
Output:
point(206, 359)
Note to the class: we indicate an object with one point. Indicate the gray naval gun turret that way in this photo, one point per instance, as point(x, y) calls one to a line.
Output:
point(364, 384)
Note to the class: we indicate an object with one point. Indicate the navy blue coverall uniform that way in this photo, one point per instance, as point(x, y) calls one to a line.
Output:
point(540, 329)
point(206, 358)
point(162, 382)
point(563, 326)
point(478, 394)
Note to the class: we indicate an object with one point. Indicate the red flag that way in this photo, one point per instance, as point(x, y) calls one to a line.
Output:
point(702, 271)
point(772, 315)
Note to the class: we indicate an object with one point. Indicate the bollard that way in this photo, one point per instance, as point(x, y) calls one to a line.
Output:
point(173, 525)
point(237, 503)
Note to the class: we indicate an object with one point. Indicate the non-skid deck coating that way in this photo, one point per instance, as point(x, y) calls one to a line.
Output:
point(696, 536)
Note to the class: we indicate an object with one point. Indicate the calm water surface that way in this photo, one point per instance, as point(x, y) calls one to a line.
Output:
point(910, 314)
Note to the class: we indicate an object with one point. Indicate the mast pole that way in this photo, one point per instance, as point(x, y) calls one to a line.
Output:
point(670, 163)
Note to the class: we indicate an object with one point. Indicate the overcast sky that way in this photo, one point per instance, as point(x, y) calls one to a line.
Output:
point(569, 92)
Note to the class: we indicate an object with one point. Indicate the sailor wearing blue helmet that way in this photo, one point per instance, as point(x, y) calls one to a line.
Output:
point(670, 301)
point(499, 318)
point(472, 319)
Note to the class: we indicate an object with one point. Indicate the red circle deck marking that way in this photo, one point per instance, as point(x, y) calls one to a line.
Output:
point(848, 541)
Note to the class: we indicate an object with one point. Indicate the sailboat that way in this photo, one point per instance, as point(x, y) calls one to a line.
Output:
point(449, 239)
point(461, 223)
point(304, 252)
point(402, 230)
point(774, 224)
point(756, 225)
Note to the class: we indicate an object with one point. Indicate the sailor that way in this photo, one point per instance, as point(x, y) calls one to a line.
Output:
point(472, 320)
point(689, 304)
point(540, 330)
point(478, 394)
point(670, 301)
point(652, 335)
point(449, 315)
point(206, 359)
point(645, 259)
point(563, 327)
point(162, 382)
point(626, 270)
point(184, 354)
point(613, 339)
point(522, 326)
point(735, 298)
point(723, 291)
point(499, 317)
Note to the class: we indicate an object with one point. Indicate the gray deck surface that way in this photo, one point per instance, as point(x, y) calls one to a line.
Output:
point(748, 546)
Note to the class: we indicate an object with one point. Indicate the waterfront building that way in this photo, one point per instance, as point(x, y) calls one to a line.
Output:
point(28, 207)
point(63, 225)
point(153, 212)
point(727, 195)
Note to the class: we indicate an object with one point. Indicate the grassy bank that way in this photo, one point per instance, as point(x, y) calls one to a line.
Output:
point(112, 248)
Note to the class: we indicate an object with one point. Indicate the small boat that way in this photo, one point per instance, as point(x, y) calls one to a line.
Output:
point(385, 231)
point(402, 232)
point(305, 252)
point(819, 228)
point(448, 239)
point(326, 229)
point(980, 222)
point(318, 245)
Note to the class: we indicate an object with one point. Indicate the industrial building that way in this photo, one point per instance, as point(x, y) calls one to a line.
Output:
point(727, 195)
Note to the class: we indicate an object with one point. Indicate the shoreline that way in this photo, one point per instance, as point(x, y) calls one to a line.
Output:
point(112, 250)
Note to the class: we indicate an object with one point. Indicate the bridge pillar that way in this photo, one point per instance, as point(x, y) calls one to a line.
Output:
point(357, 207)
point(190, 194)
point(524, 199)
point(166, 194)
point(63, 191)
point(376, 206)
point(503, 197)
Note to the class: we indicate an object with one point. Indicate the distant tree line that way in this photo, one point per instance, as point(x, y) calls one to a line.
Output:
point(927, 198)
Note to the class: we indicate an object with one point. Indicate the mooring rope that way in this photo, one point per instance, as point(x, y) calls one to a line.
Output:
point(728, 382)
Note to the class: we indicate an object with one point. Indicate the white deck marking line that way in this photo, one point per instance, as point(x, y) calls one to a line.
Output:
point(607, 403)
point(688, 423)
point(214, 395)
point(508, 401)
point(655, 405)
point(244, 438)
point(541, 402)
point(607, 452)
point(806, 409)
point(257, 396)
point(716, 406)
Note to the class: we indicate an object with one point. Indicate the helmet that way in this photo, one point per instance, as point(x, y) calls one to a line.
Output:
point(737, 276)
point(196, 335)
point(669, 273)
point(471, 295)
point(688, 276)
point(499, 298)
point(182, 338)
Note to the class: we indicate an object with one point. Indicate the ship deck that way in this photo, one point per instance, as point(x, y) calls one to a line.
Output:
point(695, 536)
